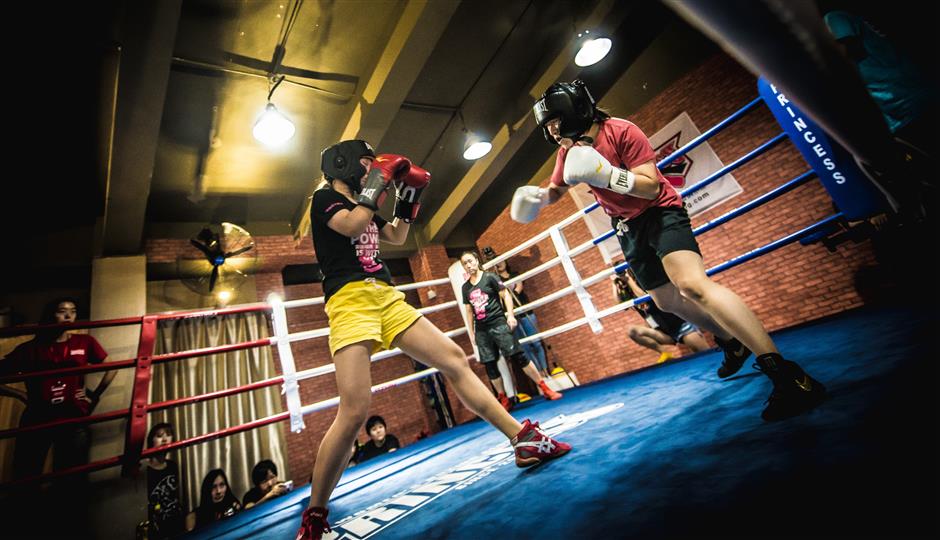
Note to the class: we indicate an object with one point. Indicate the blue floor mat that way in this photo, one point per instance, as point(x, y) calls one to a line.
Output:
point(674, 451)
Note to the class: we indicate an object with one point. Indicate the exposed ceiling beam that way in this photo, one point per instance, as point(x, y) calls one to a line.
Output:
point(149, 33)
point(509, 139)
point(411, 43)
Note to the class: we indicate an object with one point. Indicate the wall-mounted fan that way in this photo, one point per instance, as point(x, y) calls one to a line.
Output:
point(219, 258)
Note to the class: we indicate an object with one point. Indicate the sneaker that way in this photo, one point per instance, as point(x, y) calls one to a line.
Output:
point(313, 524)
point(794, 391)
point(548, 392)
point(504, 401)
point(735, 355)
point(533, 446)
point(663, 357)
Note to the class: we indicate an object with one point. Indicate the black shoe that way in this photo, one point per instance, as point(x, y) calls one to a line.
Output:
point(735, 355)
point(794, 391)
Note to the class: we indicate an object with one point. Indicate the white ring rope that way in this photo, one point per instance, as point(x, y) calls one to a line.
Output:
point(592, 316)
point(564, 257)
point(303, 302)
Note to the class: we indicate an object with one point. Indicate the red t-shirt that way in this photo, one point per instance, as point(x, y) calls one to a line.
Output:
point(625, 146)
point(54, 397)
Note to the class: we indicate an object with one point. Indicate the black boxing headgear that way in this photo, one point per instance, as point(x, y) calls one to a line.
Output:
point(341, 162)
point(572, 103)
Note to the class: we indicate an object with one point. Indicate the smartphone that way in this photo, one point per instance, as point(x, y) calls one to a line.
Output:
point(289, 485)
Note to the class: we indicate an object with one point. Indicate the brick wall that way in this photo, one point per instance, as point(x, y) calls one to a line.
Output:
point(786, 287)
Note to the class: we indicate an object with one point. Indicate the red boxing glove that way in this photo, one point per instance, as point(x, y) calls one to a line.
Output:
point(392, 166)
point(385, 168)
point(408, 191)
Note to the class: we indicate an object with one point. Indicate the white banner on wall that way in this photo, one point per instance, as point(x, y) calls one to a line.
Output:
point(692, 167)
point(689, 169)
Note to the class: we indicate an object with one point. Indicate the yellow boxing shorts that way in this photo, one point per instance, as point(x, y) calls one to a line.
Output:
point(368, 310)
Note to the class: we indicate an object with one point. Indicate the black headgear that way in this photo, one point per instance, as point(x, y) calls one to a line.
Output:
point(572, 103)
point(341, 162)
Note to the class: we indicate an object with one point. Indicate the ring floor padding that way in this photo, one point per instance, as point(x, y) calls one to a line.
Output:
point(674, 451)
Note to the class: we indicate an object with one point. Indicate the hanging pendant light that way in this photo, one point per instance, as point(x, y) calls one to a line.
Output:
point(273, 128)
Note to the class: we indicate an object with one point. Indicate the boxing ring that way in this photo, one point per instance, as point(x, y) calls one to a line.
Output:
point(668, 450)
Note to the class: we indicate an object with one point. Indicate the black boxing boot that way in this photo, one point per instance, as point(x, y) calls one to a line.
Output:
point(735, 355)
point(794, 391)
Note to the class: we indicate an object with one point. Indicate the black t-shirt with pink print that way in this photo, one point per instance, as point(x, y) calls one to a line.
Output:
point(484, 298)
point(343, 259)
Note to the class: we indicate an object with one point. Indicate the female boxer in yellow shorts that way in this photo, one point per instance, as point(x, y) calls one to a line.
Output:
point(367, 314)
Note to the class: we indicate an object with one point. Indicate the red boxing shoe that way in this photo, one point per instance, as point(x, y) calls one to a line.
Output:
point(548, 392)
point(504, 401)
point(313, 524)
point(533, 446)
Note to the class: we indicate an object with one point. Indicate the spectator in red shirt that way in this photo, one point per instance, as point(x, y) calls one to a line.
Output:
point(56, 397)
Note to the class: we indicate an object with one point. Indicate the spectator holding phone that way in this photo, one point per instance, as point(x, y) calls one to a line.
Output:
point(267, 486)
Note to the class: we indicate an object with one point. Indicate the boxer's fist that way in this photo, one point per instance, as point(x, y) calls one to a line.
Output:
point(584, 164)
point(527, 202)
point(392, 166)
point(408, 192)
point(385, 168)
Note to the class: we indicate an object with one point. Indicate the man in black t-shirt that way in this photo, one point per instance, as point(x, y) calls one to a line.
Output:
point(267, 486)
point(380, 442)
point(164, 508)
point(492, 328)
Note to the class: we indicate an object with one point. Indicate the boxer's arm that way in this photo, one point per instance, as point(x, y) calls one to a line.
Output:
point(351, 223)
point(471, 323)
point(555, 192)
point(395, 232)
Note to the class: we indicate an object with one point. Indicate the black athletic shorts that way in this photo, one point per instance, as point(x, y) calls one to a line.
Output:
point(649, 237)
point(494, 339)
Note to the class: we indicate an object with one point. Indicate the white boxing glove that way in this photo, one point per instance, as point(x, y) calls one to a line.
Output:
point(584, 164)
point(527, 202)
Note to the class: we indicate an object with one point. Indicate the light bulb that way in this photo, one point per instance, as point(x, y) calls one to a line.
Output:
point(273, 128)
point(592, 52)
point(477, 150)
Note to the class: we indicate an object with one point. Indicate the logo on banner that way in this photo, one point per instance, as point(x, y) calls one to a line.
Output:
point(695, 166)
point(676, 170)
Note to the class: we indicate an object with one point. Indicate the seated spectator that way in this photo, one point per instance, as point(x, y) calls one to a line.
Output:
point(379, 443)
point(164, 511)
point(664, 328)
point(216, 501)
point(267, 486)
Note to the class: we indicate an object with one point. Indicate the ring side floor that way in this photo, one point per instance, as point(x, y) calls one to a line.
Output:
point(674, 451)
